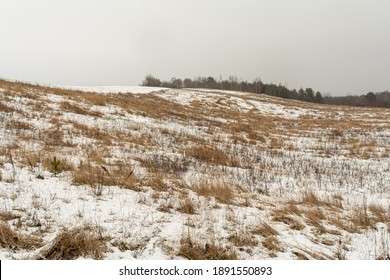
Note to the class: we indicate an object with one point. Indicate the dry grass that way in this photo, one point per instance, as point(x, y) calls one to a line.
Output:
point(165, 208)
point(341, 222)
point(72, 244)
point(73, 108)
point(210, 155)
point(8, 237)
point(379, 213)
point(243, 238)
point(8, 216)
point(314, 217)
point(156, 182)
point(272, 244)
point(360, 219)
point(300, 256)
point(17, 125)
point(164, 164)
point(265, 230)
point(286, 217)
point(310, 198)
point(7, 109)
point(187, 206)
point(99, 176)
point(11, 240)
point(195, 251)
point(222, 192)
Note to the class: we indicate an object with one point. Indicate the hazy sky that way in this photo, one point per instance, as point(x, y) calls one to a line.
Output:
point(335, 46)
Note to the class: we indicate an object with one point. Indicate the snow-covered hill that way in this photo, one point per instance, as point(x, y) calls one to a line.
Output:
point(187, 173)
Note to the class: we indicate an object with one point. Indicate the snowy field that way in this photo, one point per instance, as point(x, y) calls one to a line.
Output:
point(110, 173)
point(114, 89)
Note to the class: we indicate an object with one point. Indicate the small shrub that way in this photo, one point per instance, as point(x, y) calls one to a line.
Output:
point(55, 164)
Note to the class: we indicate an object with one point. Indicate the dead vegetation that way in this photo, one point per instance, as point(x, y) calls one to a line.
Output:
point(12, 240)
point(209, 155)
point(273, 245)
point(187, 206)
point(221, 191)
point(70, 244)
point(100, 176)
point(73, 108)
point(8, 216)
point(265, 230)
point(208, 251)
point(288, 218)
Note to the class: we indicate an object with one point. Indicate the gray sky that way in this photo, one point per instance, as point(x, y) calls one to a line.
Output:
point(335, 46)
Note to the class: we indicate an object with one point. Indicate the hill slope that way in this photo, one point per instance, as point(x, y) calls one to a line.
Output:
point(190, 174)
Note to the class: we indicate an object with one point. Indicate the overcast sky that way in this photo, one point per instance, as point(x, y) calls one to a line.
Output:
point(335, 46)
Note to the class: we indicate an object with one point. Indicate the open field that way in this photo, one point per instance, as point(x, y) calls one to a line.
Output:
point(194, 174)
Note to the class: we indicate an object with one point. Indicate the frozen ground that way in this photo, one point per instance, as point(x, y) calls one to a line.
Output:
point(168, 172)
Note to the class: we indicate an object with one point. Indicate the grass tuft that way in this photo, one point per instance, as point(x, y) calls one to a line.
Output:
point(195, 251)
point(11, 240)
point(75, 243)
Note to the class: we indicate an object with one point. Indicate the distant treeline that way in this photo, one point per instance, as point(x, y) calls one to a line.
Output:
point(381, 99)
point(233, 83)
